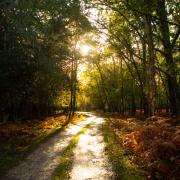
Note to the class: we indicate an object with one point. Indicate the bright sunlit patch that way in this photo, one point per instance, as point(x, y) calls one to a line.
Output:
point(74, 129)
point(90, 161)
point(85, 49)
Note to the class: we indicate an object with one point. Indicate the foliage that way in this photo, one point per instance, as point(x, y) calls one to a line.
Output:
point(137, 65)
point(35, 51)
point(120, 157)
point(155, 145)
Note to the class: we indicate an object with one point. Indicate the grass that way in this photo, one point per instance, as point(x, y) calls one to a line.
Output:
point(17, 140)
point(119, 157)
point(10, 156)
point(66, 159)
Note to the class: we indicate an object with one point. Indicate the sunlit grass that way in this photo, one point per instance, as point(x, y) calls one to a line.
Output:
point(63, 170)
point(119, 157)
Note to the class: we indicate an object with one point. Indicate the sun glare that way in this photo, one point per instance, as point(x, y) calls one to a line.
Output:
point(85, 49)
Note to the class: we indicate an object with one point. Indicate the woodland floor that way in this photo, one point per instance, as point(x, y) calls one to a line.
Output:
point(113, 147)
point(150, 147)
point(88, 160)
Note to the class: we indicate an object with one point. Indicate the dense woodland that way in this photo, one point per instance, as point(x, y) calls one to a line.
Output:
point(37, 50)
point(120, 58)
point(137, 68)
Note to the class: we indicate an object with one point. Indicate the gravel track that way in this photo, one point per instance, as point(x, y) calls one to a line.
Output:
point(90, 161)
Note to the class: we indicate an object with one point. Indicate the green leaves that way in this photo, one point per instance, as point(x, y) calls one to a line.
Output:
point(35, 38)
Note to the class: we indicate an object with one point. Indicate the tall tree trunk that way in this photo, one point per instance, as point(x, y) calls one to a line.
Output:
point(144, 99)
point(174, 94)
point(72, 94)
point(150, 68)
point(74, 87)
point(122, 87)
point(133, 101)
point(105, 91)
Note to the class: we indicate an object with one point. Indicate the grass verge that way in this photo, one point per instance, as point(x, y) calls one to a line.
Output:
point(63, 170)
point(119, 157)
point(18, 139)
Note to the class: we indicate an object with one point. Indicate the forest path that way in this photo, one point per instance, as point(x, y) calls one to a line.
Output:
point(90, 161)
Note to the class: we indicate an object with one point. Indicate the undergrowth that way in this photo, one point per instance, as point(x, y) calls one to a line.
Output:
point(120, 157)
point(154, 144)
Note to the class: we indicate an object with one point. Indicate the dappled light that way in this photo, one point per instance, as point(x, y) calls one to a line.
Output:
point(90, 161)
point(85, 49)
point(76, 128)
point(43, 161)
point(89, 89)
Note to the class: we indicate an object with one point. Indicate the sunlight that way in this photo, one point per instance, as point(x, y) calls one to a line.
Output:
point(74, 129)
point(85, 49)
point(89, 158)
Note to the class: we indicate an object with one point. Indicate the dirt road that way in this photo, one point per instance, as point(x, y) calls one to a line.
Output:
point(90, 160)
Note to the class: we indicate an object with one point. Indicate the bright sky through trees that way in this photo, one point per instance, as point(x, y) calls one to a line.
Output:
point(85, 49)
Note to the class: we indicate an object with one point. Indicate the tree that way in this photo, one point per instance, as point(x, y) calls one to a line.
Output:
point(173, 87)
point(136, 30)
point(35, 52)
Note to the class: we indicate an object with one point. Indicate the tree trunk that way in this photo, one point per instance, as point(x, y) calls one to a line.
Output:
point(150, 68)
point(174, 95)
point(72, 93)
point(74, 87)
point(122, 88)
point(105, 91)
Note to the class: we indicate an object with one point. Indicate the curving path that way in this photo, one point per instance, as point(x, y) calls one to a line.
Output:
point(90, 161)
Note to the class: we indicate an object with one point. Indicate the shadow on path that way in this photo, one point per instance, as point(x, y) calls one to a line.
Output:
point(41, 163)
point(90, 160)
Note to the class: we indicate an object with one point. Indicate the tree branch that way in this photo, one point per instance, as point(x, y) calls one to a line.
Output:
point(175, 38)
point(158, 50)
